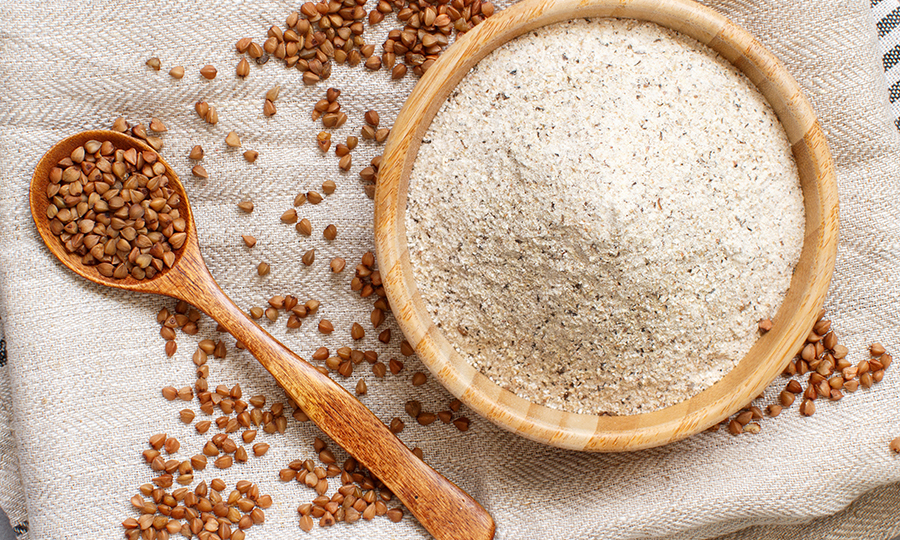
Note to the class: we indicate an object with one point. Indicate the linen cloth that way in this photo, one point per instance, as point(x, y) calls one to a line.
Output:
point(86, 363)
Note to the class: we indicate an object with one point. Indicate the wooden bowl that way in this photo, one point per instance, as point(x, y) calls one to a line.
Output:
point(768, 356)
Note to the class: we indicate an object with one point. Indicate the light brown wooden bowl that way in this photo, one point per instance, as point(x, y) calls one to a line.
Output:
point(765, 360)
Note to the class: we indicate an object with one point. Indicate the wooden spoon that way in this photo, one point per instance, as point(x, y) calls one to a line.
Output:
point(440, 506)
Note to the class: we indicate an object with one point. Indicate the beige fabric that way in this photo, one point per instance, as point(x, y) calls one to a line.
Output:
point(871, 517)
point(87, 363)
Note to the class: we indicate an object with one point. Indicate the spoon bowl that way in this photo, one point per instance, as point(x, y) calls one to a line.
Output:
point(445, 510)
point(39, 204)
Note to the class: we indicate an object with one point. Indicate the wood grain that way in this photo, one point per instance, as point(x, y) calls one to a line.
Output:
point(766, 359)
point(445, 510)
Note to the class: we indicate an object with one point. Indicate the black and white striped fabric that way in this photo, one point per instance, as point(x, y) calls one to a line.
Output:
point(887, 19)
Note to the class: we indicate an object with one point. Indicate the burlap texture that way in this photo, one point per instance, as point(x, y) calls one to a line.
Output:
point(86, 363)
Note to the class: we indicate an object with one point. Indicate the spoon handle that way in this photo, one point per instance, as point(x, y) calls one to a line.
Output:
point(445, 510)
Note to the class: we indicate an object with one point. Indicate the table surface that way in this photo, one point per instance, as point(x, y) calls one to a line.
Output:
point(6, 532)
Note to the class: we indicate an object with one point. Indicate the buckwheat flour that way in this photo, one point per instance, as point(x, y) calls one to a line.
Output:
point(600, 214)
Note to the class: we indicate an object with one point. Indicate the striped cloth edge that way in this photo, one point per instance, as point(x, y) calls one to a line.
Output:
point(887, 20)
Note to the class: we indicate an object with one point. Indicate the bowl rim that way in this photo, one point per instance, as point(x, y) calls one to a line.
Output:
point(768, 356)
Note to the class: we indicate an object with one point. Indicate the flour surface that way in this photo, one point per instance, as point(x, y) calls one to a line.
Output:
point(600, 214)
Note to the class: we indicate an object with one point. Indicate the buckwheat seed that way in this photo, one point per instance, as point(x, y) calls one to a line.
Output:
point(396, 366)
point(304, 227)
point(462, 423)
point(413, 408)
point(233, 140)
point(325, 326)
point(243, 68)
point(895, 445)
point(157, 125)
point(323, 141)
point(399, 71)
point(808, 408)
point(371, 117)
point(357, 332)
